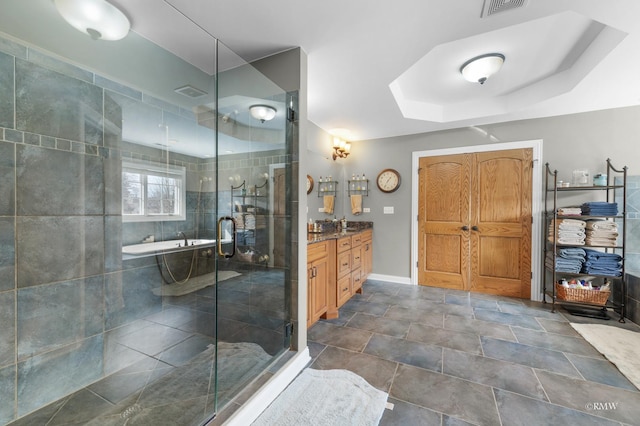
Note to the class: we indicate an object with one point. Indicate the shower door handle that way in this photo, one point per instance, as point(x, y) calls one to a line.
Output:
point(233, 237)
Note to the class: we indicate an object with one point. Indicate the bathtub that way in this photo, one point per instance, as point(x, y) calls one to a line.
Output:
point(170, 246)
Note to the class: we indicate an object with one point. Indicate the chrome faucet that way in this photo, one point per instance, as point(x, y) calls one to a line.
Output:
point(180, 233)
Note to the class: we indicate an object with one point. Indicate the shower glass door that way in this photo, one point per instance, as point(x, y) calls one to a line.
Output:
point(255, 120)
point(128, 300)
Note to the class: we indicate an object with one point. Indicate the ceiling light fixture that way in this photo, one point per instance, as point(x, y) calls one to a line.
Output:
point(480, 68)
point(262, 112)
point(97, 18)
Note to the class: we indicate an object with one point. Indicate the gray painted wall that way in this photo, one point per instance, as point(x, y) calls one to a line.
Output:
point(583, 140)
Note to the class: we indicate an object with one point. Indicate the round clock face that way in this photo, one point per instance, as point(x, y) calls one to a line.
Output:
point(388, 180)
point(309, 184)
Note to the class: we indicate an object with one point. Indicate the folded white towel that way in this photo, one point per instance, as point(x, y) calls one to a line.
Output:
point(602, 225)
point(570, 211)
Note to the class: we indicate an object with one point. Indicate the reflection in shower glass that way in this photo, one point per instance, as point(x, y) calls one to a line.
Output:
point(111, 187)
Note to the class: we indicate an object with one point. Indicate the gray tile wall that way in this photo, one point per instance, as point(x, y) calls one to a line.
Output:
point(63, 283)
point(632, 251)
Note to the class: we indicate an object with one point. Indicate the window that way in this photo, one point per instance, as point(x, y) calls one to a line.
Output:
point(152, 192)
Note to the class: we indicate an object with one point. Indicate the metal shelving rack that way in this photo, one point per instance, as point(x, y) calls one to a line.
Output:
point(612, 191)
point(251, 237)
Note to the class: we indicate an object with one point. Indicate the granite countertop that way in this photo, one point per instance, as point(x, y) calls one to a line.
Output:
point(353, 228)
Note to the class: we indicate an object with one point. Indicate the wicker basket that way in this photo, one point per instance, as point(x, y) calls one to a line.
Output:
point(580, 295)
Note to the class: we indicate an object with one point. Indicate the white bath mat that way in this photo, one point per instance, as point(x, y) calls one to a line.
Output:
point(326, 398)
point(620, 346)
point(193, 284)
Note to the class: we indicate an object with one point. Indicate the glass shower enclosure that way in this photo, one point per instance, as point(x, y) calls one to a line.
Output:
point(144, 225)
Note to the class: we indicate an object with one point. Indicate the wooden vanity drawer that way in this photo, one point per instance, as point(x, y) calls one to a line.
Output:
point(344, 244)
point(356, 240)
point(356, 257)
point(344, 263)
point(356, 280)
point(344, 289)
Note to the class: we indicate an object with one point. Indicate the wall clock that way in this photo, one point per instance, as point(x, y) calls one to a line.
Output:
point(388, 180)
point(309, 184)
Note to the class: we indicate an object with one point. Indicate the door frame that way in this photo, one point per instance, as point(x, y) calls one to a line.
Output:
point(536, 201)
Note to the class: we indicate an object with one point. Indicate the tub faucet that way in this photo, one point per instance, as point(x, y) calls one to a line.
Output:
point(180, 233)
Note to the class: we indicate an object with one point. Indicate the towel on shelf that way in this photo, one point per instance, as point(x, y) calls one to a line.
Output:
point(356, 204)
point(602, 263)
point(328, 204)
point(602, 225)
point(602, 233)
point(599, 208)
point(567, 231)
point(563, 265)
point(570, 211)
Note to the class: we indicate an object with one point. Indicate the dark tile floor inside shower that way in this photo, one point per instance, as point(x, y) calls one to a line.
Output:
point(168, 378)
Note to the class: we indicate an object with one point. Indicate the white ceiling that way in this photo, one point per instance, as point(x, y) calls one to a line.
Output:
point(388, 69)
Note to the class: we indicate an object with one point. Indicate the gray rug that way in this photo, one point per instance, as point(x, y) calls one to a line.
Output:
point(620, 346)
point(326, 398)
point(193, 284)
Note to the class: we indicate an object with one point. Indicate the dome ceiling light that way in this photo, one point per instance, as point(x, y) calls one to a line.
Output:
point(97, 18)
point(262, 112)
point(480, 68)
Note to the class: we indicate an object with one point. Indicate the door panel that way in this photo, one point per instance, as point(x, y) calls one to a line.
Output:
point(501, 206)
point(443, 211)
point(474, 222)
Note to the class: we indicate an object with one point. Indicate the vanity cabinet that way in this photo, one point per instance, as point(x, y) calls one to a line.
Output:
point(336, 269)
point(320, 273)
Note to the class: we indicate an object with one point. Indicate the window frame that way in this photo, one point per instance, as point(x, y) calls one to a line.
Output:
point(162, 170)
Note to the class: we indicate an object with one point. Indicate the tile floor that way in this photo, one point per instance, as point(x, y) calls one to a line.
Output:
point(163, 364)
point(455, 358)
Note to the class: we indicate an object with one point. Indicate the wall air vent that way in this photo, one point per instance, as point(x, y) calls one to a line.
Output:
point(190, 91)
point(491, 7)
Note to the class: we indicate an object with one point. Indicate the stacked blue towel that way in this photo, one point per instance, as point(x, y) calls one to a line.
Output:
point(601, 263)
point(570, 261)
point(599, 208)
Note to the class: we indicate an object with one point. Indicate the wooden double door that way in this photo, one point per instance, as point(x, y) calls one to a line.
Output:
point(474, 215)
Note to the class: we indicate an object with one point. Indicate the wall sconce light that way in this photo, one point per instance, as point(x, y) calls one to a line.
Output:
point(97, 18)
point(262, 112)
point(341, 148)
point(480, 68)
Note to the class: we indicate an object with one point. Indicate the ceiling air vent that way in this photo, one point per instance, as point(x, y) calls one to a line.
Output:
point(491, 7)
point(190, 91)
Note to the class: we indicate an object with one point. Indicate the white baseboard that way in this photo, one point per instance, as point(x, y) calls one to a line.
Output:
point(390, 278)
point(251, 409)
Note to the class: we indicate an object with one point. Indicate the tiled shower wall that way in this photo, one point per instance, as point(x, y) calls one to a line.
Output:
point(64, 287)
point(632, 252)
point(55, 212)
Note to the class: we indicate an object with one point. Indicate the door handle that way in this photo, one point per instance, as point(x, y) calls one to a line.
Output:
point(233, 237)
point(465, 228)
point(474, 228)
